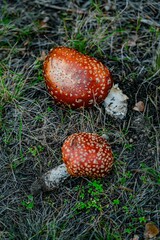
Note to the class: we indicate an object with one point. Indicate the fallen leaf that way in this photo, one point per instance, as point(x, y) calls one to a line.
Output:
point(151, 231)
point(26, 42)
point(125, 188)
point(46, 19)
point(43, 23)
point(135, 237)
point(139, 106)
point(43, 56)
point(133, 41)
point(109, 6)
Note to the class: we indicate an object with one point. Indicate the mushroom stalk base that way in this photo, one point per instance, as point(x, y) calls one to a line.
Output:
point(116, 103)
point(50, 180)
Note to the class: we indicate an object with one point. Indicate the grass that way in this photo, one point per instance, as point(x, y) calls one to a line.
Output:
point(33, 128)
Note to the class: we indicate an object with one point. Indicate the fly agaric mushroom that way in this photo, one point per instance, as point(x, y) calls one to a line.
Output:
point(83, 154)
point(78, 80)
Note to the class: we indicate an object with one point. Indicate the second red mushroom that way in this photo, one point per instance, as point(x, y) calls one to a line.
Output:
point(83, 154)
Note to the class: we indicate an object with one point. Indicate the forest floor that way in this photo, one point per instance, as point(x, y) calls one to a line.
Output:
point(125, 36)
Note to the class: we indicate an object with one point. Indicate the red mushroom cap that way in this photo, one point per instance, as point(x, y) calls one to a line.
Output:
point(75, 79)
point(87, 154)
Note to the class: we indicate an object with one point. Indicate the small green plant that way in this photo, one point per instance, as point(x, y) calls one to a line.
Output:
point(39, 117)
point(138, 24)
point(79, 42)
point(128, 146)
point(156, 62)
point(116, 202)
point(143, 179)
point(89, 196)
point(39, 75)
point(115, 155)
point(125, 209)
point(16, 162)
point(131, 227)
point(49, 109)
point(28, 203)
point(151, 172)
point(35, 150)
point(49, 201)
point(142, 220)
point(125, 177)
point(128, 230)
point(11, 84)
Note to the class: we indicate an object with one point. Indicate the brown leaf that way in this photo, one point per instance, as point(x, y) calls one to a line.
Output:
point(43, 56)
point(26, 42)
point(135, 237)
point(151, 231)
point(43, 23)
point(133, 41)
point(139, 106)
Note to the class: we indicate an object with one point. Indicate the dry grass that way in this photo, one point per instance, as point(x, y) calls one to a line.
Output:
point(124, 36)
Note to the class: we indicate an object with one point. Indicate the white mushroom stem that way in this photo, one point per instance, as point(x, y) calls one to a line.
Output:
point(50, 180)
point(116, 103)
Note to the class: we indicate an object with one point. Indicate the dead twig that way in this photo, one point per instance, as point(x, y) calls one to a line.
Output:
point(150, 22)
point(61, 8)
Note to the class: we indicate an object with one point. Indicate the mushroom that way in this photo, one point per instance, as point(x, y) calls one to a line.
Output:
point(78, 80)
point(83, 154)
point(151, 231)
